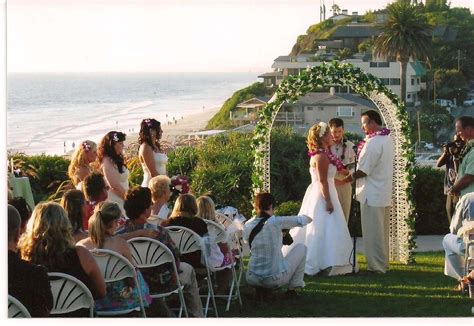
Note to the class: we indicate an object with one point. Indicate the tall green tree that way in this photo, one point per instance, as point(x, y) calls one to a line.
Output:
point(405, 35)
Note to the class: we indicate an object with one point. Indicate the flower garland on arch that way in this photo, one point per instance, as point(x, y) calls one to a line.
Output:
point(332, 158)
point(381, 132)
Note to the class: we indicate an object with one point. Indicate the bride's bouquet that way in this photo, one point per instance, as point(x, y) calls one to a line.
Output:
point(179, 185)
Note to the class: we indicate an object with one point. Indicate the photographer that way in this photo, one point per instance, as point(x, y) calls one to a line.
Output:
point(450, 158)
point(268, 268)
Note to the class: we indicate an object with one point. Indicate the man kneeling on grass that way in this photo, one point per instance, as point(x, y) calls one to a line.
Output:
point(268, 268)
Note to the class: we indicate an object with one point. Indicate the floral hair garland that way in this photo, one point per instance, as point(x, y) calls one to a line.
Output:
point(148, 122)
point(381, 132)
point(332, 158)
point(115, 137)
point(322, 128)
point(85, 146)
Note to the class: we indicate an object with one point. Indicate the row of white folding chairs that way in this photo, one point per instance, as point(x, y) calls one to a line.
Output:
point(189, 241)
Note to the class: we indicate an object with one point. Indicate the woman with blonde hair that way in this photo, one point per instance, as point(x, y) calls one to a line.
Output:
point(160, 195)
point(50, 243)
point(81, 161)
point(327, 239)
point(102, 226)
point(184, 214)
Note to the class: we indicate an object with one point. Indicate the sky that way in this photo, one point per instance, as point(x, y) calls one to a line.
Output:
point(160, 35)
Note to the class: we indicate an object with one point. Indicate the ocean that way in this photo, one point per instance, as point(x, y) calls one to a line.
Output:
point(48, 113)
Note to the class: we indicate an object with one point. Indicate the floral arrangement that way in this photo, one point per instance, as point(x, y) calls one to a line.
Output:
point(332, 158)
point(381, 132)
point(179, 185)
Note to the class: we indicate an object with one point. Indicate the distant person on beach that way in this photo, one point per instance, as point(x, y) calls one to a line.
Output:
point(82, 159)
point(112, 160)
point(152, 157)
point(74, 204)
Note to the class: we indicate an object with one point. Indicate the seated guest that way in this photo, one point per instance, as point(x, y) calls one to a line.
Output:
point(24, 209)
point(121, 294)
point(27, 282)
point(184, 214)
point(138, 206)
point(74, 204)
point(267, 267)
point(453, 243)
point(160, 195)
point(95, 191)
point(50, 243)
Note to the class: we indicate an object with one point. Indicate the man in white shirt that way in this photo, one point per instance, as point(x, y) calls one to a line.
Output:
point(343, 149)
point(373, 177)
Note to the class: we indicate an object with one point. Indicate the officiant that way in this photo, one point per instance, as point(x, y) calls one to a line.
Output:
point(343, 150)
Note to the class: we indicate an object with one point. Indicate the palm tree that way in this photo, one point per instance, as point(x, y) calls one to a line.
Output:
point(405, 35)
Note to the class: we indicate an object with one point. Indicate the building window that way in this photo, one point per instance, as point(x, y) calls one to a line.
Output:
point(394, 81)
point(412, 81)
point(384, 64)
point(345, 111)
point(309, 108)
point(321, 108)
point(408, 95)
point(385, 81)
point(418, 81)
point(373, 64)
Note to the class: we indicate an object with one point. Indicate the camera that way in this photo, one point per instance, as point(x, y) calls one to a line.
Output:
point(454, 148)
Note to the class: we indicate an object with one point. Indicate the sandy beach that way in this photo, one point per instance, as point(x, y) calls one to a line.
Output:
point(191, 123)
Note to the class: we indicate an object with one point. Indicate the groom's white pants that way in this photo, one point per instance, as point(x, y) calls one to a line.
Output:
point(375, 234)
point(292, 278)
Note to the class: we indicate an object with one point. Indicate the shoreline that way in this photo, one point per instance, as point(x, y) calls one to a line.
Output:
point(190, 123)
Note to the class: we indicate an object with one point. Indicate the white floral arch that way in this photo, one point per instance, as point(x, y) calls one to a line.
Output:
point(402, 214)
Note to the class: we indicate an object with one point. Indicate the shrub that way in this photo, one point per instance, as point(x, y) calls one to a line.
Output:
point(182, 161)
point(430, 201)
point(288, 208)
point(223, 171)
point(50, 173)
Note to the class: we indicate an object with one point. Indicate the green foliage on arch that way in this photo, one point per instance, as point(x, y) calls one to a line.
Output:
point(342, 74)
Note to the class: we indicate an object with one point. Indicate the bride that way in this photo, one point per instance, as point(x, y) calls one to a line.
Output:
point(152, 158)
point(327, 239)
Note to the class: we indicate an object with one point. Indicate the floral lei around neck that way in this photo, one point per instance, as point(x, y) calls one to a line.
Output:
point(332, 158)
point(381, 132)
point(466, 149)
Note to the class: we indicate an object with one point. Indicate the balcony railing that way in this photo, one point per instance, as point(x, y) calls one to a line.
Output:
point(289, 117)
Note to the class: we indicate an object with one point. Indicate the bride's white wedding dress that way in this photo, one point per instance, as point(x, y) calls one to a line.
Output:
point(161, 159)
point(327, 239)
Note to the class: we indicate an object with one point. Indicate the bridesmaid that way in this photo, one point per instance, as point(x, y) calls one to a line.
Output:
point(152, 157)
point(80, 166)
point(113, 166)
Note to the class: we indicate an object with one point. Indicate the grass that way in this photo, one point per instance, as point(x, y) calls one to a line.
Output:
point(420, 290)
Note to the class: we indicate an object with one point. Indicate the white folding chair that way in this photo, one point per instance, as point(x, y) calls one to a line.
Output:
point(16, 309)
point(218, 235)
point(189, 241)
point(149, 253)
point(236, 242)
point(115, 267)
point(69, 294)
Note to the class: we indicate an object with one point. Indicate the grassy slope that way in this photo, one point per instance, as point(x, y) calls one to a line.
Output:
point(221, 119)
point(420, 290)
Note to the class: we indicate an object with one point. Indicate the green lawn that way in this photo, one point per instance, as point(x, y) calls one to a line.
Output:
point(420, 290)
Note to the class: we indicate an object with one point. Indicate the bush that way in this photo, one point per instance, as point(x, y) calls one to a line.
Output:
point(46, 174)
point(223, 171)
point(288, 208)
point(430, 201)
point(182, 161)
point(289, 165)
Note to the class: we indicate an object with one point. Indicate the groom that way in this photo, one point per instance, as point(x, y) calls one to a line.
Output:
point(374, 189)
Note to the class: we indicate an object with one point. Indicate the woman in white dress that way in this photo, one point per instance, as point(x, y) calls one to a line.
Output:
point(111, 158)
point(328, 242)
point(152, 157)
